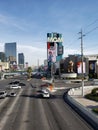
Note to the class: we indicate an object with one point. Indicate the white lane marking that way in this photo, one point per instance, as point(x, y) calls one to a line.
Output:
point(44, 119)
point(3, 102)
point(8, 112)
point(24, 116)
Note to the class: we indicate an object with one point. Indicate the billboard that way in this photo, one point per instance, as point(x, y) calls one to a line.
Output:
point(79, 67)
point(92, 67)
point(59, 50)
point(51, 51)
point(54, 37)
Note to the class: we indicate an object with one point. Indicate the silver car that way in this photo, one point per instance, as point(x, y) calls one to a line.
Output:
point(3, 94)
point(15, 86)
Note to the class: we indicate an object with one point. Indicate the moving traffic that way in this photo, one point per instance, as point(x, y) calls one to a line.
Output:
point(34, 107)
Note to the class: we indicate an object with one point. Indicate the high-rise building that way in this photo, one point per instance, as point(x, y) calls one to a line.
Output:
point(2, 57)
point(21, 60)
point(11, 52)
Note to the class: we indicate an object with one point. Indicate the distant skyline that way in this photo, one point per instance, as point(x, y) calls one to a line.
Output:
point(27, 23)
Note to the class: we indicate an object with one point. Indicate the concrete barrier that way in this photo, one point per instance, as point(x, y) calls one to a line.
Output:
point(90, 117)
point(95, 81)
point(68, 75)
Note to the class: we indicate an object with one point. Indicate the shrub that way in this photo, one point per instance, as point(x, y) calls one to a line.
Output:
point(95, 110)
point(91, 76)
point(95, 92)
point(93, 95)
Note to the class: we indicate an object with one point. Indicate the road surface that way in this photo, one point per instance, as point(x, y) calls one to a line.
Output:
point(29, 111)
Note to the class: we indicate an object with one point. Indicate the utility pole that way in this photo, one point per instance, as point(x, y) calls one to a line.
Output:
point(38, 63)
point(81, 38)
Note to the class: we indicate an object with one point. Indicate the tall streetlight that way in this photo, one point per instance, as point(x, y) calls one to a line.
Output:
point(81, 37)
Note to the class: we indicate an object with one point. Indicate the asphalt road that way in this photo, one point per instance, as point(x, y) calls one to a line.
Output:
point(29, 111)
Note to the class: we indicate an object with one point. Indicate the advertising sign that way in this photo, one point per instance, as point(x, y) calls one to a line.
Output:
point(51, 49)
point(60, 50)
point(54, 37)
point(92, 66)
point(79, 67)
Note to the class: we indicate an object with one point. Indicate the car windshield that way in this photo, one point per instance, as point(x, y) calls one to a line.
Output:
point(1, 93)
point(12, 93)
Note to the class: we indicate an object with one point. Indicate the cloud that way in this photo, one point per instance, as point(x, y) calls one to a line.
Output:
point(1, 47)
point(71, 51)
point(33, 54)
point(15, 22)
point(3, 19)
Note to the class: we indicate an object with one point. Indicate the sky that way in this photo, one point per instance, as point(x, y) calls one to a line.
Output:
point(27, 23)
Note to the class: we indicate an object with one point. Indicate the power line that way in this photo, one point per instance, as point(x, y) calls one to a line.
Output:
point(82, 35)
point(91, 23)
point(91, 31)
point(72, 41)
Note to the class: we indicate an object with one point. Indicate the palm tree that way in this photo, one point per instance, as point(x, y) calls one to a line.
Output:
point(29, 71)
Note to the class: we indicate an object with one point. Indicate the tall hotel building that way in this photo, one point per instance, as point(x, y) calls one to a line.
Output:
point(11, 52)
point(21, 60)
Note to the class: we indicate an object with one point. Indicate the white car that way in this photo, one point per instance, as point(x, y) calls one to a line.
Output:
point(15, 86)
point(45, 93)
point(3, 94)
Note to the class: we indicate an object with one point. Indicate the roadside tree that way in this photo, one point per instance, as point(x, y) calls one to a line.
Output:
point(29, 71)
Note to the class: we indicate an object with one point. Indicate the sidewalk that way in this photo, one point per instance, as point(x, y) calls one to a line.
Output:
point(87, 103)
point(76, 94)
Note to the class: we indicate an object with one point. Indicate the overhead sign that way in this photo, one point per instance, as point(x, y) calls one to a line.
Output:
point(54, 37)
